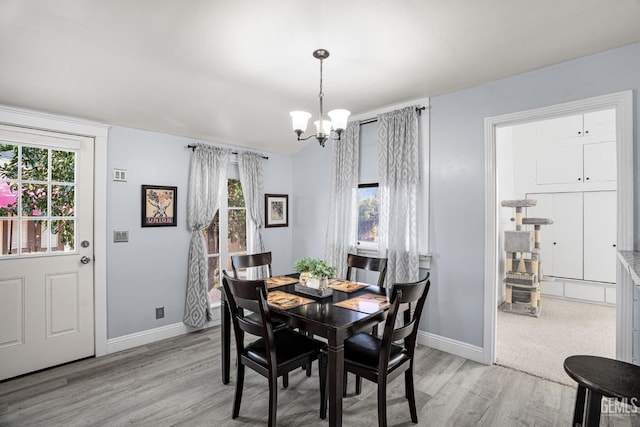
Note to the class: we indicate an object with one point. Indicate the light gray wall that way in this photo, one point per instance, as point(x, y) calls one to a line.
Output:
point(455, 304)
point(151, 269)
point(455, 307)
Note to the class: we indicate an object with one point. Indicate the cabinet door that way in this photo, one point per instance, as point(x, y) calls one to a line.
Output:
point(559, 164)
point(567, 235)
point(544, 209)
point(600, 162)
point(600, 236)
point(560, 128)
point(601, 124)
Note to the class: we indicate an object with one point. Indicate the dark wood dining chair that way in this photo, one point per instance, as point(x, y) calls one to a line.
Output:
point(382, 359)
point(367, 263)
point(253, 260)
point(276, 352)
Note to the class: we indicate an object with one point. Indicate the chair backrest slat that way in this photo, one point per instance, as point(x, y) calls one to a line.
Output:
point(367, 263)
point(252, 260)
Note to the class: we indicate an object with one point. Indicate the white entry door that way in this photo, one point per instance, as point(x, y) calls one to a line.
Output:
point(46, 249)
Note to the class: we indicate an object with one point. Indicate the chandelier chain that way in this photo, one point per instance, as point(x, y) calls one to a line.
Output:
point(321, 95)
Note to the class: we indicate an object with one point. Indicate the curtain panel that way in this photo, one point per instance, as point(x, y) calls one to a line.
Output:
point(252, 181)
point(343, 203)
point(399, 188)
point(207, 175)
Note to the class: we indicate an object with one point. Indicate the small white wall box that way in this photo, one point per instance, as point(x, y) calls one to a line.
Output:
point(119, 174)
point(518, 241)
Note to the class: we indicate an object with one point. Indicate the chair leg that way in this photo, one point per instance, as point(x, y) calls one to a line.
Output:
point(358, 384)
point(410, 394)
point(273, 398)
point(285, 380)
point(382, 402)
point(309, 366)
point(344, 384)
point(323, 386)
point(238, 397)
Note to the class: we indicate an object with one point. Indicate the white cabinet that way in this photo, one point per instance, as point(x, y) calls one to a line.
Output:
point(577, 149)
point(600, 236)
point(596, 124)
point(580, 244)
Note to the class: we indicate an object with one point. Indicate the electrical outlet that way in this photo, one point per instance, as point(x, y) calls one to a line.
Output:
point(160, 312)
point(120, 175)
point(120, 236)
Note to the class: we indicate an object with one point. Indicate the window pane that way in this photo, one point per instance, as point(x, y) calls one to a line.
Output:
point(34, 236)
point(8, 161)
point(8, 199)
point(214, 278)
point(34, 199)
point(35, 163)
point(8, 237)
point(63, 166)
point(368, 214)
point(237, 238)
point(212, 235)
point(63, 235)
point(236, 197)
point(63, 200)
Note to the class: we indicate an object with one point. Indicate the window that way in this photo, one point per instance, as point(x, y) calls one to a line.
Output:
point(37, 200)
point(230, 220)
point(368, 213)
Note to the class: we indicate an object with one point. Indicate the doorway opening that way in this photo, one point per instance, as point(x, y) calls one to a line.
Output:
point(621, 104)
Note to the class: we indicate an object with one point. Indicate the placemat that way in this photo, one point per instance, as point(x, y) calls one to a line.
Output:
point(346, 285)
point(285, 301)
point(277, 281)
point(367, 303)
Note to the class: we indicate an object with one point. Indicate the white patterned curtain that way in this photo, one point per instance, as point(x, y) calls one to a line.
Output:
point(250, 167)
point(343, 203)
point(399, 184)
point(207, 174)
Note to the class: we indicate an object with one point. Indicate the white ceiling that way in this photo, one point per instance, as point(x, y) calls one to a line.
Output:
point(230, 71)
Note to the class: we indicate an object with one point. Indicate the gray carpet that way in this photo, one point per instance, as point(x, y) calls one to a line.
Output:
point(539, 345)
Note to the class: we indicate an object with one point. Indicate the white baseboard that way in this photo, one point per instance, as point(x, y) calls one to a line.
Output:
point(459, 348)
point(137, 339)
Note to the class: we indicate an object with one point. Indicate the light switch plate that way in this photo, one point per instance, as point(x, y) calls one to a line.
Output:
point(120, 175)
point(120, 236)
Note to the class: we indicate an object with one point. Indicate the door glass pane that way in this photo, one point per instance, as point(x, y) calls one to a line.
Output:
point(8, 198)
point(236, 196)
point(62, 200)
point(63, 235)
point(8, 237)
point(8, 161)
point(34, 236)
point(63, 166)
point(35, 163)
point(237, 238)
point(34, 199)
point(212, 236)
point(214, 278)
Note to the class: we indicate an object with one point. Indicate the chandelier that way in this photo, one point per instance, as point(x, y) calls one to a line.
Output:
point(325, 129)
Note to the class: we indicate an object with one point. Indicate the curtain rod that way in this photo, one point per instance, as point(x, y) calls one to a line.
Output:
point(375, 119)
point(193, 148)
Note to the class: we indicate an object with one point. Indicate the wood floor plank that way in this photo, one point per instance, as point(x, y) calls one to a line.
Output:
point(176, 382)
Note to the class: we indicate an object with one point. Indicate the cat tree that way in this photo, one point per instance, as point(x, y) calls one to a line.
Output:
point(523, 267)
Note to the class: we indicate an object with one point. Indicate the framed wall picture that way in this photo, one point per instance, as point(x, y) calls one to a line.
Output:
point(276, 210)
point(159, 207)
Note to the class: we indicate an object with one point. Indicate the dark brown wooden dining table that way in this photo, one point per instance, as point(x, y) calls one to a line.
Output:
point(321, 318)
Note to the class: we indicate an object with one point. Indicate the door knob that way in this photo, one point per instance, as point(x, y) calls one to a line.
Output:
point(85, 260)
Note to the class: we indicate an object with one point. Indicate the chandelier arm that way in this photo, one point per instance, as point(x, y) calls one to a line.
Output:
point(304, 139)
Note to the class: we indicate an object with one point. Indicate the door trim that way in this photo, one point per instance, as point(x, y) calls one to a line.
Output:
point(623, 103)
point(99, 132)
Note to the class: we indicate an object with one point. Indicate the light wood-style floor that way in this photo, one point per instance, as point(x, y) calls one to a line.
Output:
point(177, 382)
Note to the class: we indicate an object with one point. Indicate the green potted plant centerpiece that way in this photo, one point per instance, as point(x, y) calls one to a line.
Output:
point(303, 266)
point(314, 272)
point(320, 274)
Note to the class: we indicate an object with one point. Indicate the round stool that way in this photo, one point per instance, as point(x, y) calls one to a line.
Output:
point(599, 377)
